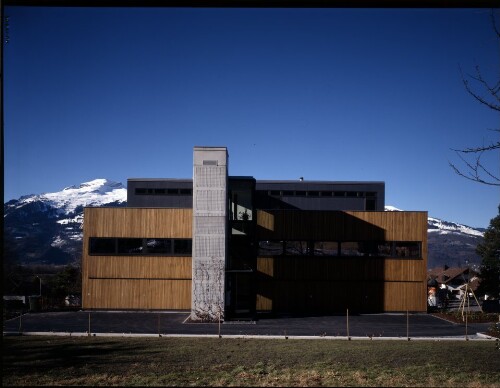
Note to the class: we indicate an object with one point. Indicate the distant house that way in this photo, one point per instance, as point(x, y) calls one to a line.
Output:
point(453, 279)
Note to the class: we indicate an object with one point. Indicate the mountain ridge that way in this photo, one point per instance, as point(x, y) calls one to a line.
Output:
point(47, 228)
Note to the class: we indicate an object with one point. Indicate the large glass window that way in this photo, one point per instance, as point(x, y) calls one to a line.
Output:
point(296, 248)
point(401, 249)
point(385, 249)
point(130, 246)
point(101, 246)
point(351, 249)
point(326, 248)
point(270, 248)
point(182, 246)
point(159, 245)
point(359, 248)
point(409, 249)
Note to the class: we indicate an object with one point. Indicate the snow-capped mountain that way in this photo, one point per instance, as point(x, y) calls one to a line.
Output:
point(450, 243)
point(94, 193)
point(46, 228)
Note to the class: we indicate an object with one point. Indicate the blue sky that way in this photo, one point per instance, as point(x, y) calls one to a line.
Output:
point(324, 94)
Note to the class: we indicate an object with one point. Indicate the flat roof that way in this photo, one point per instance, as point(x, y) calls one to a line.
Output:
point(321, 182)
point(264, 182)
point(160, 179)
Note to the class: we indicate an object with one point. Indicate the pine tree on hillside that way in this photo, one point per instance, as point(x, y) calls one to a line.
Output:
point(489, 250)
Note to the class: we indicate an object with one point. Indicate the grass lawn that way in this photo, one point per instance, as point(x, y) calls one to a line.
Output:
point(41, 360)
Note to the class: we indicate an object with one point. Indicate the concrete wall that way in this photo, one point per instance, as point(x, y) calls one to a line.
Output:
point(209, 232)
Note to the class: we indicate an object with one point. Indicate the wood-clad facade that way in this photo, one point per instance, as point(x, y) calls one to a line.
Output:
point(235, 246)
point(283, 283)
point(368, 283)
point(143, 282)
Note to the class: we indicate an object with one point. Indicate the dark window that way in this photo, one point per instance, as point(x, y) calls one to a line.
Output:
point(139, 246)
point(326, 248)
point(371, 194)
point(350, 249)
point(326, 193)
point(339, 193)
point(300, 193)
point(210, 162)
point(408, 249)
point(185, 191)
point(101, 246)
point(288, 193)
point(275, 192)
point(130, 246)
point(182, 246)
point(159, 245)
point(385, 249)
point(370, 204)
point(296, 248)
point(173, 191)
point(352, 193)
point(159, 191)
point(140, 191)
point(270, 248)
point(313, 193)
point(358, 248)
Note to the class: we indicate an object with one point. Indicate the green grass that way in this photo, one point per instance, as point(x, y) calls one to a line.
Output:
point(247, 362)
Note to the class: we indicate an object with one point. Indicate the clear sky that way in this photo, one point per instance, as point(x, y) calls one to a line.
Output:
point(324, 94)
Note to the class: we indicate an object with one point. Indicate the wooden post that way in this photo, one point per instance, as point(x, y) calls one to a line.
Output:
point(407, 325)
point(466, 314)
point(348, 336)
point(219, 323)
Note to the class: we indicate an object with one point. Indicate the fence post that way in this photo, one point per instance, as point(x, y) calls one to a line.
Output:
point(348, 336)
point(219, 322)
point(466, 337)
point(407, 325)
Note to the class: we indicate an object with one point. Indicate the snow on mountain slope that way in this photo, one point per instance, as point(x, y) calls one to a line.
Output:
point(436, 225)
point(97, 192)
point(392, 209)
point(46, 228)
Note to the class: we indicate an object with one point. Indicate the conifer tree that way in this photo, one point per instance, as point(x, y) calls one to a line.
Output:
point(489, 250)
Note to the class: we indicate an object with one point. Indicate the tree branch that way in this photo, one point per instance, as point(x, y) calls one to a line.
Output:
point(475, 171)
point(482, 100)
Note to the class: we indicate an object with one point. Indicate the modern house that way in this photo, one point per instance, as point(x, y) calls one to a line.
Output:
point(231, 247)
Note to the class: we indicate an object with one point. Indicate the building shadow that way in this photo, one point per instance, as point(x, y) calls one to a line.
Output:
point(313, 263)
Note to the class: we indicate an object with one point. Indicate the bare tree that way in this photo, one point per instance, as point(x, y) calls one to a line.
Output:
point(474, 168)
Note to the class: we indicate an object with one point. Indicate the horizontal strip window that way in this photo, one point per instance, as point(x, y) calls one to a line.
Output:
point(315, 193)
point(393, 249)
point(116, 246)
point(146, 278)
point(159, 191)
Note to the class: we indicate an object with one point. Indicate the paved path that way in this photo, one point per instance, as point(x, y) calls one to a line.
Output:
point(174, 323)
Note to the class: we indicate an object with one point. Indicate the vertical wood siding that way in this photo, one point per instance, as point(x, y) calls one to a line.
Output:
point(136, 282)
point(311, 283)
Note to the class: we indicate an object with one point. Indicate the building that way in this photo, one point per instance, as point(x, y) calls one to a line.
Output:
point(451, 283)
point(231, 247)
